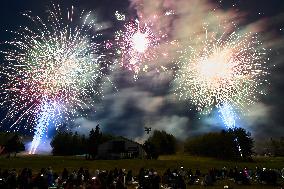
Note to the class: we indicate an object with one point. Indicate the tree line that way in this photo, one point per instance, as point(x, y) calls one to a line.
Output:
point(230, 144)
point(276, 147)
point(160, 143)
point(68, 143)
point(11, 143)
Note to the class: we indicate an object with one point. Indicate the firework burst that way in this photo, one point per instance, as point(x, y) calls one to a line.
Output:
point(137, 46)
point(226, 69)
point(53, 63)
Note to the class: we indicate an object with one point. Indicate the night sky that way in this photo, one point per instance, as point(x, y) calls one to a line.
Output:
point(146, 102)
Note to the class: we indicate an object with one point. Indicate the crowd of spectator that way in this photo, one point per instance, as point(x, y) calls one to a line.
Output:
point(146, 179)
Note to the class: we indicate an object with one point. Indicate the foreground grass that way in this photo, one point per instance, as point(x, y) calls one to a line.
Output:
point(164, 162)
point(72, 162)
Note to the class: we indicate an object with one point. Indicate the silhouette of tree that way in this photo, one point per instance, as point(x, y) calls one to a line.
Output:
point(151, 150)
point(14, 145)
point(276, 147)
point(244, 140)
point(160, 143)
point(95, 138)
point(224, 145)
point(67, 143)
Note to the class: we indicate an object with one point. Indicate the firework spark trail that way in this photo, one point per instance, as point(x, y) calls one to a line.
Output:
point(46, 115)
point(229, 117)
point(137, 45)
point(52, 61)
point(227, 69)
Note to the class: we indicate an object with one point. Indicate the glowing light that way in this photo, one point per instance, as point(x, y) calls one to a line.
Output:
point(169, 12)
point(229, 117)
point(215, 68)
point(54, 63)
point(46, 115)
point(227, 69)
point(137, 46)
point(140, 42)
point(119, 16)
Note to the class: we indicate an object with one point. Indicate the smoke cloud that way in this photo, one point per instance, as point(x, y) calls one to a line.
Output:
point(149, 101)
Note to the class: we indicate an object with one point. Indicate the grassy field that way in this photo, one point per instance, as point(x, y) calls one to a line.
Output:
point(58, 163)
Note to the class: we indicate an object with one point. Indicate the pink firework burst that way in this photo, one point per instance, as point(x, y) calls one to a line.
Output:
point(137, 45)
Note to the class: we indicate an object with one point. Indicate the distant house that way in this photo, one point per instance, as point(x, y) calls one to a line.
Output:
point(120, 148)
